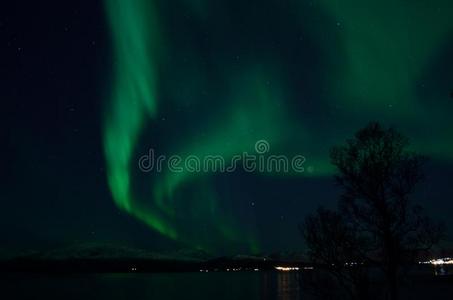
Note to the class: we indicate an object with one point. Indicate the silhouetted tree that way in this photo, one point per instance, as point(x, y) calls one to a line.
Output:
point(377, 175)
point(333, 244)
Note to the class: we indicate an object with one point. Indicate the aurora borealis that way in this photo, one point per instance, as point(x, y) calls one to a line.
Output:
point(200, 78)
point(92, 87)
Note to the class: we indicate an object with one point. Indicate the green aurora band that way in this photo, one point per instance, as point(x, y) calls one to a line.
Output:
point(133, 100)
point(379, 62)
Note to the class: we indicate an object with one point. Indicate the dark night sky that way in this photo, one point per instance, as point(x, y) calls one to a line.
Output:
point(88, 87)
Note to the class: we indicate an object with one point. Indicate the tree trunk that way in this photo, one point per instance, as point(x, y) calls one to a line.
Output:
point(392, 281)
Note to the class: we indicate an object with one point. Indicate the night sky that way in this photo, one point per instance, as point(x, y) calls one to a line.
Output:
point(89, 87)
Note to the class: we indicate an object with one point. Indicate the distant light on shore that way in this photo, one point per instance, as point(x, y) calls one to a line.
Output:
point(287, 269)
point(438, 261)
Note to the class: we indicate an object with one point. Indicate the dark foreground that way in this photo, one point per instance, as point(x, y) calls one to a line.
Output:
point(188, 285)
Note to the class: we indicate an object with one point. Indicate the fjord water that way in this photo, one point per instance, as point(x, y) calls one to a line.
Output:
point(200, 286)
point(161, 286)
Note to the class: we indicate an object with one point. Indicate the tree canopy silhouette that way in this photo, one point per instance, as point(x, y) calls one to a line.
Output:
point(376, 224)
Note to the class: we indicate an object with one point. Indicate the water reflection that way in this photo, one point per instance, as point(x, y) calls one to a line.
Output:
point(162, 286)
point(280, 286)
point(288, 286)
point(200, 286)
point(441, 270)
